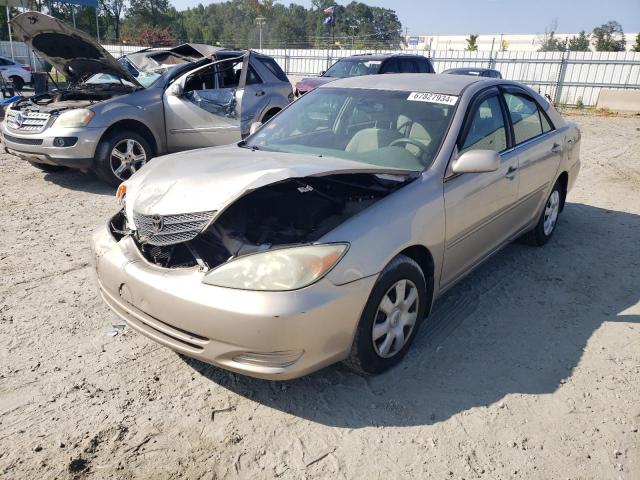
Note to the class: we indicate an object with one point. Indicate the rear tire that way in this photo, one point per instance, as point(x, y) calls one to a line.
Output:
point(391, 317)
point(119, 155)
point(543, 231)
point(45, 167)
point(17, 81)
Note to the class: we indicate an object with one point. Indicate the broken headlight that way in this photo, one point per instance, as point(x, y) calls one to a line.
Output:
point(281, 269)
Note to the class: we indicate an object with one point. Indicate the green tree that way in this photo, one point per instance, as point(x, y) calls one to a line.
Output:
point(150, 12)
point(636, 47)
point(581, 43)
point(609, 37)
point(472, 43)
point(113, 11)
point(551, 43)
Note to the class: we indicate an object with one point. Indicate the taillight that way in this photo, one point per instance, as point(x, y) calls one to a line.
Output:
point(26, 67)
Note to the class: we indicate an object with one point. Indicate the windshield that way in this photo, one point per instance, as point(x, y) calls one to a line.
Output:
point(107, 78)
point(353, 68)
point(389, 129)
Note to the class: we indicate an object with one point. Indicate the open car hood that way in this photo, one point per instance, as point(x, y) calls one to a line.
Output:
point(212, 178)
point(72, 52)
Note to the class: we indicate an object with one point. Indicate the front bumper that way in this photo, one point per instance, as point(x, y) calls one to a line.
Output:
point(270, 335)
point(80, 155)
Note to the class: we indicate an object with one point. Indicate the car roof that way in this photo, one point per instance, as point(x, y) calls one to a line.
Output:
point(379, 56)
point(470, 69)
point(423, 82)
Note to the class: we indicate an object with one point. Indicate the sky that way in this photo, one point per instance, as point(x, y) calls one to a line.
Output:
point(462, 17)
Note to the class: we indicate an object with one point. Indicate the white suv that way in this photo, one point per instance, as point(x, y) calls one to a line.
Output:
point(17, 73)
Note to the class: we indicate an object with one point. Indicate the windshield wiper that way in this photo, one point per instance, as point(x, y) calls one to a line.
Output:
point(243, 144)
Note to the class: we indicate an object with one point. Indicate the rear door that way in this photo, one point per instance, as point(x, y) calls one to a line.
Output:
point(204, 106)
point(539, 149)
point(480, 208)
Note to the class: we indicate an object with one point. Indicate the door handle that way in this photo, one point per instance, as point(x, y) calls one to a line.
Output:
point(260, 93)
point(557, 148)
point(510, 172)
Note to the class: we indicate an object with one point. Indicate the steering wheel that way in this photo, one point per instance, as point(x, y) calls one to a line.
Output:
point(410, 141)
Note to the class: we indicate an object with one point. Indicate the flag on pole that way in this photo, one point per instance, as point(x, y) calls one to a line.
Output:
point(330, 13)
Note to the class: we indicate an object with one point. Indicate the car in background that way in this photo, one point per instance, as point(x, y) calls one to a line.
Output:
point(327, 234)
point(476, 72)
point(366, 64)
point(15, 72)
point(115, 115)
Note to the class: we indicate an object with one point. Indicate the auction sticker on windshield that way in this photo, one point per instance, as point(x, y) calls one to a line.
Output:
point(433, 98)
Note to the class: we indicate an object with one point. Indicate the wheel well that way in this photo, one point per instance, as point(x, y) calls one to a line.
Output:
point(270, 113)
point(564, 181)
point(422, 256)
point(139, 128)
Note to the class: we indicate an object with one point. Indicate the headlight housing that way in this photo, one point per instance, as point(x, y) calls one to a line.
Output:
point(80, 117)
point(278, 270)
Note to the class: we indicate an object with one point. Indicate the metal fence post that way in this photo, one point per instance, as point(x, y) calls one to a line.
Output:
point(561, 75)
point(286, 61)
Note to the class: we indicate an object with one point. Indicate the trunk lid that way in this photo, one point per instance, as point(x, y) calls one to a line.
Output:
point(72, 52)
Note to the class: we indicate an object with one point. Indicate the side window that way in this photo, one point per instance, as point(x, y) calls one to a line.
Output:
point(271, 64)
point(528, 121)
point(546, 125)
point(390, 66)
point(201, 80)
point(423, 66)
point(407, 65)
point(487, 129)
point(4, 62)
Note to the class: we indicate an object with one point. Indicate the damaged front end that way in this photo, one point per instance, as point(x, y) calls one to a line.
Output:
point(292, 212)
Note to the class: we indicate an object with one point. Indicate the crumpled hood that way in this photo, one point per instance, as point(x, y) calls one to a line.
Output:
point(210, 179)
point(311, 83)
point(71, 51)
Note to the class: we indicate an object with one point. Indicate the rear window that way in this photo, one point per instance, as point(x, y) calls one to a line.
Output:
point(273, 66)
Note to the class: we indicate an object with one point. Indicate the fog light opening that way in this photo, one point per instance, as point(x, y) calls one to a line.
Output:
point(64, 141)
point(281, 359)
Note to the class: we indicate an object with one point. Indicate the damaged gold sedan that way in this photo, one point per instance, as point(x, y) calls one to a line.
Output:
point(328, 233)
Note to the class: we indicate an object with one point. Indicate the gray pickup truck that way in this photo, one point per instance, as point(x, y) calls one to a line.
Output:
point(115, 115)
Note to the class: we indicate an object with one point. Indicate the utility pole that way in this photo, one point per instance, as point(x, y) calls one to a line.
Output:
point(352, 27)
point(261, 21)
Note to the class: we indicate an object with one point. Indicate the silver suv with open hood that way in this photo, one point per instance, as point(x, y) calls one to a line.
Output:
point(115, 115)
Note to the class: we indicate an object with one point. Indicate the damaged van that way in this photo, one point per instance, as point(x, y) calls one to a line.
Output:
point(115, 115)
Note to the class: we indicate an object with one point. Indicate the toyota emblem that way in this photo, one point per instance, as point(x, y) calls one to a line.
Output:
point(158, 223)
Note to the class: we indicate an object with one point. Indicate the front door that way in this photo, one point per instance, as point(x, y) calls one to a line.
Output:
point(203, 108)
point(480, 207)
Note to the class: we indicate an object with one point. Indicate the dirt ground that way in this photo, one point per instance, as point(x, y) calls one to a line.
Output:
point(530, 368)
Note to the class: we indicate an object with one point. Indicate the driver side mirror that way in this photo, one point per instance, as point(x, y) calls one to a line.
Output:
point(477, 161)
point(254, 127)
point(322, 72)
point(176, 90)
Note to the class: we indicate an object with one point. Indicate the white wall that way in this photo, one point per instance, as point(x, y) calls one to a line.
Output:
point(515, 43)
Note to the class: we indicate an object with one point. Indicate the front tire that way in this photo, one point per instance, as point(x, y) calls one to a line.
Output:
point(119, 155)
point(543, 231)
point(391, 317)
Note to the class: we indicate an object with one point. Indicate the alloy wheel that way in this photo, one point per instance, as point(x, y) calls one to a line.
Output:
point(127, 157)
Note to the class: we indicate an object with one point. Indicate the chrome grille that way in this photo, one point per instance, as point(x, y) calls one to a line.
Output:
point(170, 229)
point(27, 121)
